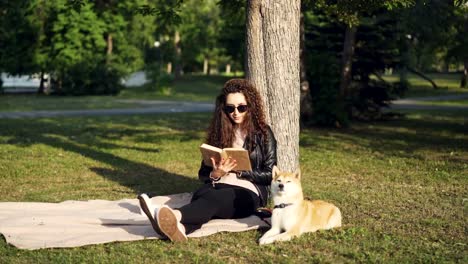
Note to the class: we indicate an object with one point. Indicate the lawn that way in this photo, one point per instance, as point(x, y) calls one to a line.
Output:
point(401, 186)
point(448, 84)
point(196, 88)
point(189, 88)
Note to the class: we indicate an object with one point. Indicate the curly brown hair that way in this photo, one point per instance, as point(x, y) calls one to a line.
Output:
point(221, 130)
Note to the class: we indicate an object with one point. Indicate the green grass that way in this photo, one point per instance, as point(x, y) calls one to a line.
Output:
point(196, 88)
point(30, 102)
point(189, 88)
point(401, 186)
point(448, 84)
point(460, 102)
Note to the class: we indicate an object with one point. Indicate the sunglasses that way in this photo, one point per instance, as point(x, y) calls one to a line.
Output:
point(230, 108)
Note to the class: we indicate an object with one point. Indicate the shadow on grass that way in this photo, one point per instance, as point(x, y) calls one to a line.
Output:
point(94, 138)
point(402, 138)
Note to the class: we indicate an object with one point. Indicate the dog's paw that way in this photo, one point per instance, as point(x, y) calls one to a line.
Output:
point(266, 240)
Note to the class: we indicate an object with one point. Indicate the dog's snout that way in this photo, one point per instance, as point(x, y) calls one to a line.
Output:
point(281, 186)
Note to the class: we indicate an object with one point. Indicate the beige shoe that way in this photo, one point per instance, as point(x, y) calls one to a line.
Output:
point(150, 210)
point(169, 225)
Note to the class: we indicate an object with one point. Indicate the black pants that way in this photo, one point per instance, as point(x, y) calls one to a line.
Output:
point(221, 201)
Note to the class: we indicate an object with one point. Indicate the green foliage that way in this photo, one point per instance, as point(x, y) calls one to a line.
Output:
point(324, 82)
point(60, 36)
point(86, 79)
point(17, 37)
point(350, 11)
point(428, 26)
point(376, 48)
point(377, 41)
point(159, 80)
point(77, 37)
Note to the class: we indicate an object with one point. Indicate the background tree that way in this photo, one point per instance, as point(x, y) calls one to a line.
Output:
point(21, 52)
point(458, 43)
point(338, 100)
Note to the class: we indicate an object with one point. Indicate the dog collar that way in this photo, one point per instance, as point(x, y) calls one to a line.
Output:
point(282, 205)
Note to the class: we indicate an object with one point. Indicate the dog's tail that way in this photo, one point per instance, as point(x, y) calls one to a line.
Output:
point(334, 220)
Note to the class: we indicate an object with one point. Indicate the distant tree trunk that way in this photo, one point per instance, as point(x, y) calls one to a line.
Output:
point(422, 75)
point(169, 68)
point(463, 82)
point(305, 106)
point(109, 48)
point(41, 84)
point(347, 61)
point(178, 56)
point(206, 66)
point(228, 68)
point(273, 65)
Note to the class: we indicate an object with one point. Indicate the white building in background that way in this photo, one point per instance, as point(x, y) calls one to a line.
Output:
point(20, 81)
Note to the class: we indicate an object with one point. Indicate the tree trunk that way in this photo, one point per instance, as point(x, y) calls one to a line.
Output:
point(464, 75)
point(255, 57)
point(273, 39)
point(205, 66)
point(41, 84)
point(178, 56)
point(306, 100)
point(347, 61)
point(169, 68)
point(422, 75)
point(109, 48)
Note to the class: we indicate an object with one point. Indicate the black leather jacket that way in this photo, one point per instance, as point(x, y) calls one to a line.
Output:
point(263, 158)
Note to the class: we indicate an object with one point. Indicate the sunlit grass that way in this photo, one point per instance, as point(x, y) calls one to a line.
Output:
point(187, 88)
point(447, 83)
point(196, 88)
point(401, 186)
point(41, 102)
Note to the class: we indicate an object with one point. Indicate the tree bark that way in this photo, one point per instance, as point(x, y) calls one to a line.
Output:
point(109, 48)
point(273, 65)
point(205, 66)
point(255, 70)
point(463, 82)
point(41, 84)
point(347, 60)
point(306, 102)
point(178, 56)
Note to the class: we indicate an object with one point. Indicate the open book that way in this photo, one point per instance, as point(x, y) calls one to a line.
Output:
point(239, 154)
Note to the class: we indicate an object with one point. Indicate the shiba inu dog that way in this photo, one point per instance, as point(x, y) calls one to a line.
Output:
point(292, 215)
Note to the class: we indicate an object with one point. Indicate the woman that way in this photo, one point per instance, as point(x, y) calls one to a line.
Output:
point(238, 121)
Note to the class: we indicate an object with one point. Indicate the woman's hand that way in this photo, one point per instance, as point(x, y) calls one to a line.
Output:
point(223, 167)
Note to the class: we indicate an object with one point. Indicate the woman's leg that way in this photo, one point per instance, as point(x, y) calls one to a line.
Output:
point(224, 201)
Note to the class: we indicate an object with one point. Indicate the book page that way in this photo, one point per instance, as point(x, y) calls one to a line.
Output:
point(209, 151)
point(241, 156)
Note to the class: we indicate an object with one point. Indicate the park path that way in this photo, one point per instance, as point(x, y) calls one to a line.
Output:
point(419, 102)
point(148, 107)
point(153, 106)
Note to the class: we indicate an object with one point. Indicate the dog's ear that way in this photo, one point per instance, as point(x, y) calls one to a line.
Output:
point(297, 173)
point(275, 171)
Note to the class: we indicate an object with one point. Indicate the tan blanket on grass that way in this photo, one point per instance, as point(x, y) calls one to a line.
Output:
point(29, 225)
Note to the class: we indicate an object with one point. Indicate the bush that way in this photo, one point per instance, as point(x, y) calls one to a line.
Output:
point(159, 80)
point(85, 79)
point(324, 89)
